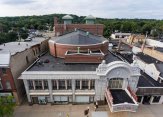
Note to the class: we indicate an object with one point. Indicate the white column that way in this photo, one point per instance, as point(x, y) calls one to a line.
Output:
point(27, 90)
point(66, 84)
point(42, 84)
point(80, 84)
point(57, 84)
point(89, 84)
point(50, 90)
point(73, 89)
point(34, 87)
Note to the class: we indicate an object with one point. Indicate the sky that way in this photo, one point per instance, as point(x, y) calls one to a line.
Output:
point(146, 9)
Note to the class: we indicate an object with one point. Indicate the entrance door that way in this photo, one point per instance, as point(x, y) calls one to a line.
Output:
point(146, 99)
point(35, 100)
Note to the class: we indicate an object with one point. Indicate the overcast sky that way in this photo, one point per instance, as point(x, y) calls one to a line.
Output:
point(98, 8)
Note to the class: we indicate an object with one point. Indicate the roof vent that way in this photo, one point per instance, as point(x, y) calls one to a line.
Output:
point(19, 43)
point(4, 44)
point(87, 33)
point(75, 29)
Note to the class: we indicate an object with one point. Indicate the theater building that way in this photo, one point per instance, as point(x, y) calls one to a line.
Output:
point(80, 69)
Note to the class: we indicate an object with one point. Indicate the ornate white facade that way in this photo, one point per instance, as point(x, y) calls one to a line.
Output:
point(92, 87)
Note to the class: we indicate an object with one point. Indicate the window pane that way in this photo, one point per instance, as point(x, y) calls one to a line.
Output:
point(62, 84)
point(156, 99)
point(84, 84)
point(77, 84)
point(30, 84)
point(38, 84)
point(54, 84)
point(69, 86)
point(92, 84)
point(8, 86)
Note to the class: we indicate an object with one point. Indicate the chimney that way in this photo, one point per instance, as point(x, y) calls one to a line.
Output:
point(55, 20)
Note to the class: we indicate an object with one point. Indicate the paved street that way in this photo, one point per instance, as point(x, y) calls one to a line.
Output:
point(78, 111)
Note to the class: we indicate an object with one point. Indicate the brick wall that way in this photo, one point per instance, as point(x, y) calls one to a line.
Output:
point(59, 50)
point(93, 28)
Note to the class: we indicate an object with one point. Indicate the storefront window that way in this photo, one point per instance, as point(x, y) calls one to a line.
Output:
point(41, 100)
point(139, 98)
point(156, 99)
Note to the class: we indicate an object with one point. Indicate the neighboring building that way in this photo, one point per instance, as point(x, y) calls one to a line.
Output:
point(52, 80)
point(150, 86)
point(120, 36)
point(15, 57)
point(68, 26)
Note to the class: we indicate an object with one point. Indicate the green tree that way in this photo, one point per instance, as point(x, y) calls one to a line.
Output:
point(6, 106)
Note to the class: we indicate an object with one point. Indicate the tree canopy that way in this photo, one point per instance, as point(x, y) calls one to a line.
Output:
point(6, 106)
point(44, 22)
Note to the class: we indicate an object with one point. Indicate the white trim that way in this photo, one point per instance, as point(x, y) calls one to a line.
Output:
point(38, 93)
point(62, 93)
point(85, 93)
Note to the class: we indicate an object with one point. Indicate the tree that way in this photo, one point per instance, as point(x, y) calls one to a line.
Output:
point(6, 106)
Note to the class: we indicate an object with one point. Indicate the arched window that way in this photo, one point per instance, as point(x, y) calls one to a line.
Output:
point(116, 83)
point(8, 85)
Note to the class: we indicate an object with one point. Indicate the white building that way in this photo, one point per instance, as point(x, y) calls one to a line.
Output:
point(49, 80)
point(119, 36)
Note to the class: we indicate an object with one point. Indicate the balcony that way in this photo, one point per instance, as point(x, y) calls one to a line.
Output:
point(121, 100)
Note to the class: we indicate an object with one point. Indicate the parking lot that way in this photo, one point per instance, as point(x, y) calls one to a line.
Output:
point(78, 111)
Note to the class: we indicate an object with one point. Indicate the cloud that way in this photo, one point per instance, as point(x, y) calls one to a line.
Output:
point(17, 2)
point(98, 8)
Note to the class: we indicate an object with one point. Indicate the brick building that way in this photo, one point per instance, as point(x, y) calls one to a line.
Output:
point(15, 57)
point(68, 26)
point(80, 69)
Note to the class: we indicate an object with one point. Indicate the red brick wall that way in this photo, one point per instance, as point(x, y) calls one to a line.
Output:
point(58, 50)
point(93, 28)
point(7, 77)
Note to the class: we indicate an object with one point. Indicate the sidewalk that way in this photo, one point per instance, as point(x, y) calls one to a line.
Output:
point(78, 111)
